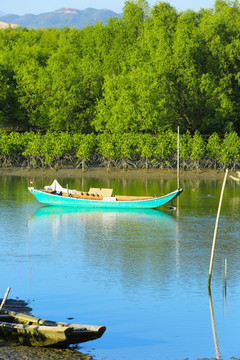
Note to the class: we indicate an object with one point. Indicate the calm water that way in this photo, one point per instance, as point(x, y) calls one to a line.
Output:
point(143, 274)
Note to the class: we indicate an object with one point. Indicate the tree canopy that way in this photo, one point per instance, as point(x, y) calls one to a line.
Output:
point(149, 71)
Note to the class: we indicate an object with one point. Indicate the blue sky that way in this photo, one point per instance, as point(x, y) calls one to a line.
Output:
point(21, 7)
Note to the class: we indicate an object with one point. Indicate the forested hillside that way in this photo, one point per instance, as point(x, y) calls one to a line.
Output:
point(60, 18)
point(143, 74)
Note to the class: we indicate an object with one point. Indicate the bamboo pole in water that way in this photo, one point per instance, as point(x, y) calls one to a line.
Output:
point(224, 284)
point(225, 287)
point(178, 166)
point(225, 275)
point(215, 231)
point(5, 298)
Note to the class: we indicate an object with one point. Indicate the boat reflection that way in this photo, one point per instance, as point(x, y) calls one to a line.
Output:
point(91, 222)
point(53, 211)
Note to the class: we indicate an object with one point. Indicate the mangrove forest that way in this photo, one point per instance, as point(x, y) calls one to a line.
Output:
point(115, 94)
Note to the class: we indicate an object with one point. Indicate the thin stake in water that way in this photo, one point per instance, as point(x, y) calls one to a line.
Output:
point(5, 298)
point(225, 276)
point(178, 162)
point(215, 231)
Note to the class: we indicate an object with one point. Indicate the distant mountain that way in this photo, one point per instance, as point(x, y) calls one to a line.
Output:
point(60, 18)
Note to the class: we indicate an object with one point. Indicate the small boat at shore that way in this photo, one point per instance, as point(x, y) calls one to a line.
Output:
point(30, 330)
point(33, 331)
point(55, 194)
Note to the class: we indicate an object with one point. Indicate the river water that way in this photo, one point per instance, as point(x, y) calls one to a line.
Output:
point(142, 274)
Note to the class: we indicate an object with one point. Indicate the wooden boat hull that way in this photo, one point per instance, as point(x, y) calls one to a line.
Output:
point(47, 198)
point(33, 331)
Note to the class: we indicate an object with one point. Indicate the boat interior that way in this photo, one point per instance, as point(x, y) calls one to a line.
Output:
point(99, 194)
point(16, 318)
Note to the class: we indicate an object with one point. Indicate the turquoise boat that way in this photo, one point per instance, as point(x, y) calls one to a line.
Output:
point(56, 195)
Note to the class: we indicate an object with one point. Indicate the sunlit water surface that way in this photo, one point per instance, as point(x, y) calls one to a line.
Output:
point(142, 274)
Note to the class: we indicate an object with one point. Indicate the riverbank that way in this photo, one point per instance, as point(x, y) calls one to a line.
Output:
point(100, 172)
point(17, 352)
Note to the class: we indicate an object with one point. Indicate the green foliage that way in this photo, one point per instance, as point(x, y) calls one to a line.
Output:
point(129, 104)
point(185, 146)
point(214, 145)
point(4, 144)
point(33, 148)
point(56, 149)
point(125, 145)
point(85, 145)
point(10, 112)
point(166, 145)
point(198, 147)
point(230, 149)
point(144, 73)
point(146, 144)
point(134, 14)
point(106, 145)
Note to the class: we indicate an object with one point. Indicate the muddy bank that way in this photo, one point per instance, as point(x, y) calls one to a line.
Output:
point(99, 172)
point(17, 352)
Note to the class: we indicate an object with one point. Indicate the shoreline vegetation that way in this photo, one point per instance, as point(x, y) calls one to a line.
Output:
point(122, 155)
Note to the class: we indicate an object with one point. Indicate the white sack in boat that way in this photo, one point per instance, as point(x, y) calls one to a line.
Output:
point(58, 188)
point(55, 186)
